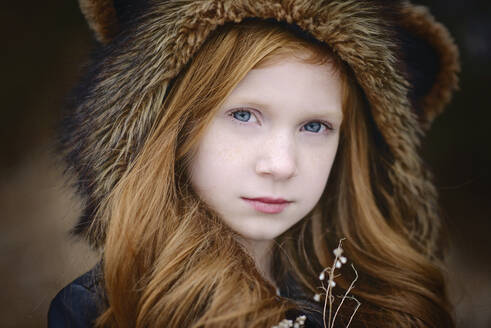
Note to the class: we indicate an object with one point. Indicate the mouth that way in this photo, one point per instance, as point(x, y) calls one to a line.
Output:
point(267, 205)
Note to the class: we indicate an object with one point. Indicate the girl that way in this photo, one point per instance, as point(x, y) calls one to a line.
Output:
point(225, 148)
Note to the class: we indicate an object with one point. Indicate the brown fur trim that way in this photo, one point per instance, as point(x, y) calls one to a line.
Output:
point(419, 21)
point(101, 17)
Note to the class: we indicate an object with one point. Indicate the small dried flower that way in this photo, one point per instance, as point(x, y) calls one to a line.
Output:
point(317, 298)
point(322, 276)
point(338, 251)
point(343, 259)
point(301, 319)
point(284, 324)
point(338, 264)
point(299, 322)
point(332, 283)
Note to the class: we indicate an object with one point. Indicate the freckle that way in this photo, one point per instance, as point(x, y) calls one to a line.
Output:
point(232, 154)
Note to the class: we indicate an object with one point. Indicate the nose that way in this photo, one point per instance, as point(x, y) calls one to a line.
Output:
point(277, 157)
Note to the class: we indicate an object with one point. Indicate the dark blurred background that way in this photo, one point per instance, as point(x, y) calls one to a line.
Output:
point(45, 43)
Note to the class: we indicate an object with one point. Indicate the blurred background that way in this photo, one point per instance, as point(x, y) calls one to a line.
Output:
point(45, 44)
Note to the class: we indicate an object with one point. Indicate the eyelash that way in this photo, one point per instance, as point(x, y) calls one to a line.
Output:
point(231, 115)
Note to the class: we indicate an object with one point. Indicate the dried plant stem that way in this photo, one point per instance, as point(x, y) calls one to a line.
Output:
point(338, 261)
point(345, 296)
point(354, 311)
point(329, 287)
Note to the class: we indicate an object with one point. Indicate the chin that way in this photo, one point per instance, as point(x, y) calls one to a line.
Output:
point(258, 228)
point(261, 235)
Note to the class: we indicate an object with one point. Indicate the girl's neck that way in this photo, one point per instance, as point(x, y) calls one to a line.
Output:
point(261, 252)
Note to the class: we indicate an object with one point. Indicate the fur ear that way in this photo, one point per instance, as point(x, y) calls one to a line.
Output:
point(101, 17)
point(432, 62)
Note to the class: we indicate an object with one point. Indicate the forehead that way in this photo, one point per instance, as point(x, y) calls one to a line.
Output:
point(291, 83)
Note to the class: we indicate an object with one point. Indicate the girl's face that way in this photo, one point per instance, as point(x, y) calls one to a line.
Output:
point(275, 136)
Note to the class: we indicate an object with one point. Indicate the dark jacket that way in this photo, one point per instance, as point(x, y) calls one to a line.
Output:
point(78, 304)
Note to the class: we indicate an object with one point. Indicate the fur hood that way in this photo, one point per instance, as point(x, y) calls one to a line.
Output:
point(405, 62)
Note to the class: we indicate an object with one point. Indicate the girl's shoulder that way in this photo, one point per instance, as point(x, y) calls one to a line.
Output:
point(77, 304)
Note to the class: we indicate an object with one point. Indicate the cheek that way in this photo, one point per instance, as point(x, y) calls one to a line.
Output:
point(317, 169)
point(217, 164)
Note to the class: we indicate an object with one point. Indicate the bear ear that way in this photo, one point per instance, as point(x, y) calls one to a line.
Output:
point(105, 17)
point(102, 18)
point(431, 60)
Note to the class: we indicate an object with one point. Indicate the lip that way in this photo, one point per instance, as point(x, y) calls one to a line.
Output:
point(269, 200)
point(267, 205)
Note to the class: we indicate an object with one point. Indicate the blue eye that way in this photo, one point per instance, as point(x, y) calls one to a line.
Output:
point(242, 115)
point(316, 126)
